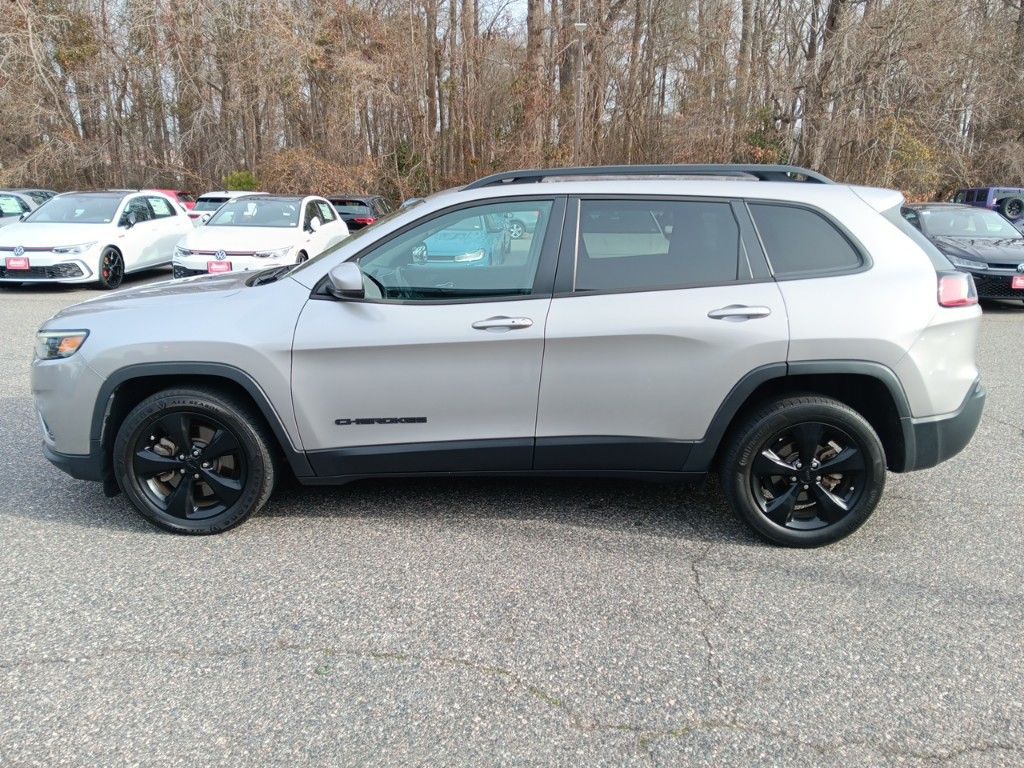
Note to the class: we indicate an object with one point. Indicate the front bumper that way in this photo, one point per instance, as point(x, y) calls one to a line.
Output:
point(59, 269)
point(190, 266)
point(934, 440)
point(995, 284)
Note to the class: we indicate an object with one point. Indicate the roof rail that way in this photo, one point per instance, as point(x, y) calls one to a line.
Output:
point(754, 171)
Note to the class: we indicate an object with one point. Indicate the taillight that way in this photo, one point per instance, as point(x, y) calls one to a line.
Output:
point(367, 221)
point(956, 289)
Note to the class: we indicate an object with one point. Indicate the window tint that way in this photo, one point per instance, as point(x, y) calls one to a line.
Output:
point(463, 254)
point(311, 213)
point(939, 261)
point(161, 207)
point(630, 244)
point(802, 243)
point(912, 216)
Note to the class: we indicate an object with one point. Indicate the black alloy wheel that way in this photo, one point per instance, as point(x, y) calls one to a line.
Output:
point(1012, 208)
point(111, 269)
point(804, 470)
point(808, 476)
point(190, 467)
point(194, 461)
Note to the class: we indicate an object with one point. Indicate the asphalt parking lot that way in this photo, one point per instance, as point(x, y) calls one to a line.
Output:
point(512, 622)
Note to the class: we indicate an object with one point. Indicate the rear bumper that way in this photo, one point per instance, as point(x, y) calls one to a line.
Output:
point(933, 441)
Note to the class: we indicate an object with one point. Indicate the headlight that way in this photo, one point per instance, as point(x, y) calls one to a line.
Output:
point(181, 252)
point(471, 256)
point(277, 253)
point(80, 248)
point(53, 345)
point(959, 261)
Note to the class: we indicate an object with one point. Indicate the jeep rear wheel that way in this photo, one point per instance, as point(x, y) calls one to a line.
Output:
point(804, 471)
point(194, 461)
point(1012, 208)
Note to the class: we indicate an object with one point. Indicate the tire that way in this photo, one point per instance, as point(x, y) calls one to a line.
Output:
point(817, 508)
point(516, 229)
point(229, 471)
point(1012, 208)
point(111, 273)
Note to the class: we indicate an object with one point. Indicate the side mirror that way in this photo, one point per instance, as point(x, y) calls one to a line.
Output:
point(314, 224)
point(129, 220)
point(23, 216)
point(204, 218)
point(419, 253)
point(345, 281)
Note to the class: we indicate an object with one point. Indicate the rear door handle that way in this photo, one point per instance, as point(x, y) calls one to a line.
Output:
point(502, 323)
point(739, 312)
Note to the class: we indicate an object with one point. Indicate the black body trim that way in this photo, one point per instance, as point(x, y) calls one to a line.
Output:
point(99, 440)
point(610, 452)
point(505, 455)
point(939, 439)
point(87, 467)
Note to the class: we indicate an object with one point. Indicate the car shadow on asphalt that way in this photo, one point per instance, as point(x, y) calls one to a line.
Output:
point(130, 280)
point(695, 511)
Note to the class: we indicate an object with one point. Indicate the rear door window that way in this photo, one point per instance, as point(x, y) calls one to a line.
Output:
point(800, 242)
point(655, 244)
point(11, 206)
point(161, 207)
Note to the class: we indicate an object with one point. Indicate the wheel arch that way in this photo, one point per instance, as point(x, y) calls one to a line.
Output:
point(871, 389)
point(129, 386)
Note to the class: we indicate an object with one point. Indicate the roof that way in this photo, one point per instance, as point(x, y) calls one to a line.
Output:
point(940, 204)
point(364, 198)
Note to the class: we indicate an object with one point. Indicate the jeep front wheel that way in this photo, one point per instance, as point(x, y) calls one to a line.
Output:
point(194, 461)
point(804, 471)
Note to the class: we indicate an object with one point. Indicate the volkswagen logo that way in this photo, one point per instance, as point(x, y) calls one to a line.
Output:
point(220, 255)
point(1020, 267)
point(19, 250)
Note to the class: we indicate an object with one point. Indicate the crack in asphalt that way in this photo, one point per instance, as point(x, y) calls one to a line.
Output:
point(645, 737)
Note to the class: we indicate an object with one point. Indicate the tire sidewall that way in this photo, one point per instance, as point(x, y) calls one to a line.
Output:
point(258, 463)
point(104, 283)
point(739, 461)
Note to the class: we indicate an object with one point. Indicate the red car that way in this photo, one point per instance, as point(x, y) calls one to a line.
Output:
point(185, 199)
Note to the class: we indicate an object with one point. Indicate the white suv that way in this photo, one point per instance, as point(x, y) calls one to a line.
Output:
point(797, 336)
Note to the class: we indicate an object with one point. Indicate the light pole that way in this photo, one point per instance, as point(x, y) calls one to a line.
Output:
point(580, 27)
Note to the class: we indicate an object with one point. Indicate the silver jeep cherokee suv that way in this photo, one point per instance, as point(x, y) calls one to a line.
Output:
point(795, 335)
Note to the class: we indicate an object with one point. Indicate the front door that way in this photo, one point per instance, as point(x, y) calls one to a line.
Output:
point(663, 306)
point(438, 368)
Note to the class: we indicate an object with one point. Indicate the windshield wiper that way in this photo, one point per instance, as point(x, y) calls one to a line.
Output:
point(270, 275)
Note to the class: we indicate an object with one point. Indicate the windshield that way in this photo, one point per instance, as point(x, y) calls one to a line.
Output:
point(76, 209)
point(257, 212)
point(966, 222)
point(209, 203)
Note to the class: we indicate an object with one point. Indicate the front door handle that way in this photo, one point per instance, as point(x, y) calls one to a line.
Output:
point(736, 312)
point(502, 323)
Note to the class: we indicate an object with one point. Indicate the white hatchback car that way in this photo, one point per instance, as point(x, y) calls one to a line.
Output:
point(256, 232)
point(92, 237)
point(208, 203)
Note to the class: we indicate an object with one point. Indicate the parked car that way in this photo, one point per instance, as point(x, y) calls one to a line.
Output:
point(474, 240)
point(209, 202)
point(1008, 201)
point(521, 225)
point(359, 211)
point(37, 196)
point(797, 337)
point(14, 205)
point(184, 200)
point(979, 242)
point(92, 237)
point(257, 232)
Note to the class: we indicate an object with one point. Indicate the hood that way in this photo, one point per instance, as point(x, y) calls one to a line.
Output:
point(207, 238)
point(48, 235)
point(987, 249)
point(180, 292)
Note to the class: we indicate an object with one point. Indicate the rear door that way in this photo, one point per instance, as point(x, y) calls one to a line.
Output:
point(661, 307)
point(139, 243)
point(170, 226)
